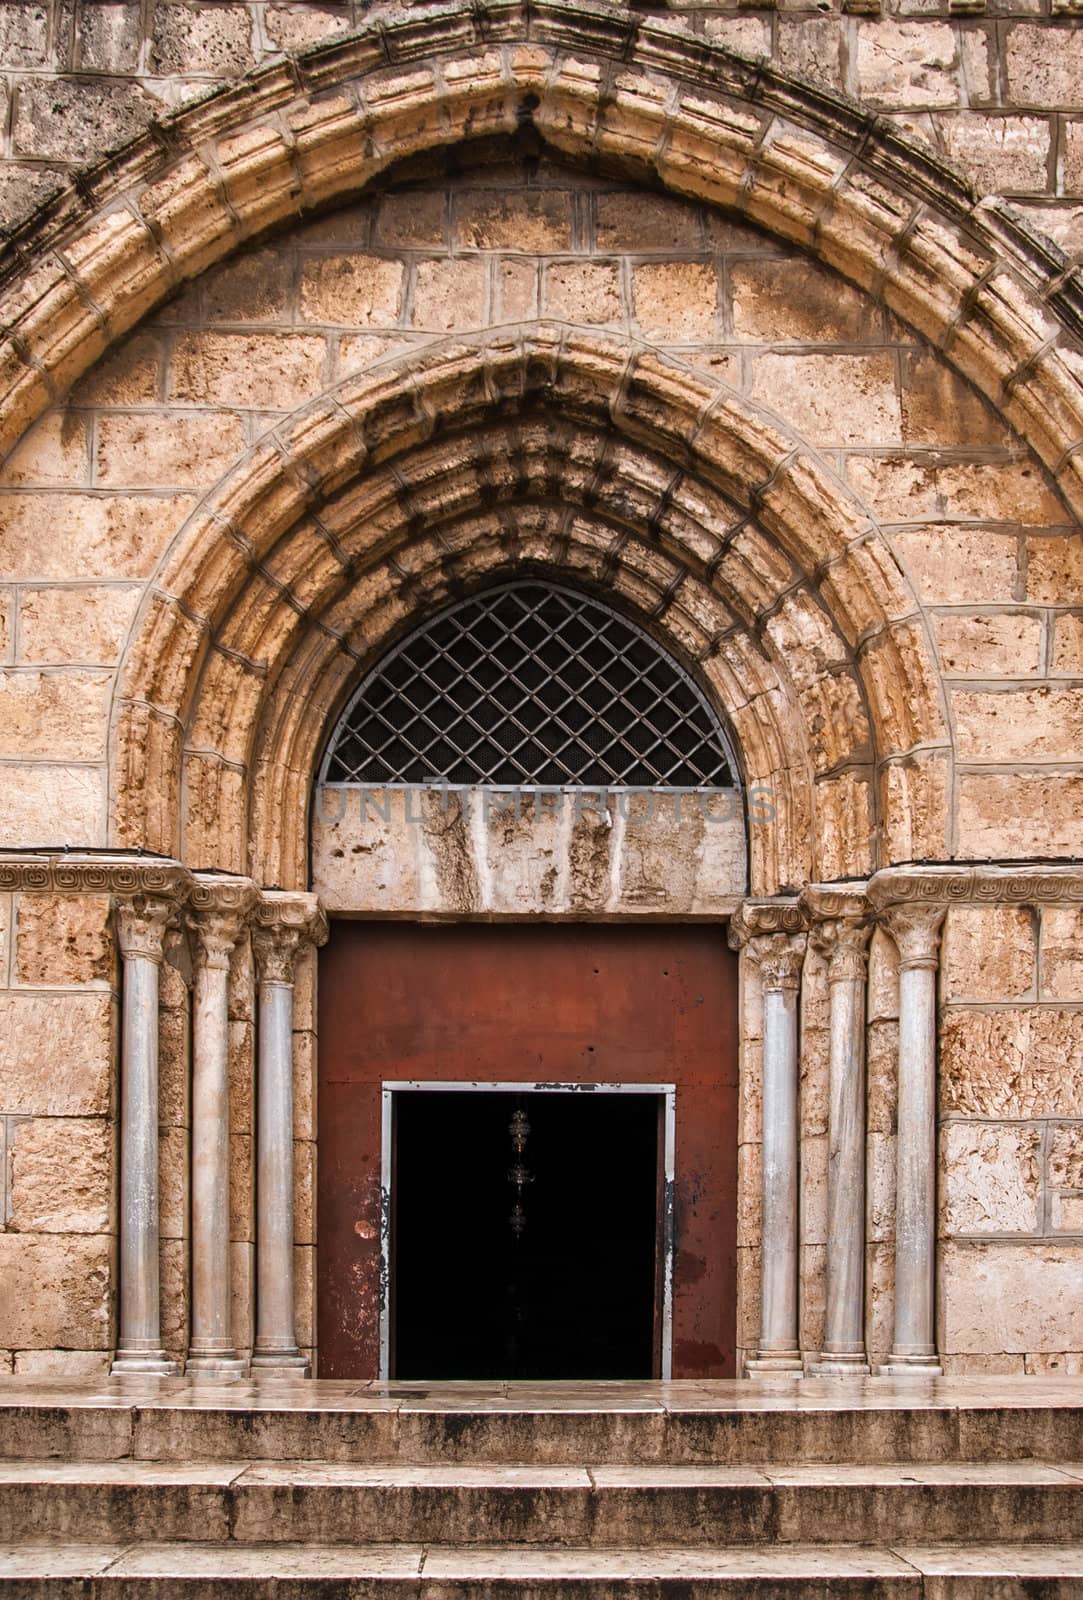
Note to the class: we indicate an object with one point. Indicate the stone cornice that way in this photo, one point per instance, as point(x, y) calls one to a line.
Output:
point(977, 885)
point(69, 872)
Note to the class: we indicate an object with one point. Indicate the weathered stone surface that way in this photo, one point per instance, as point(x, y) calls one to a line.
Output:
point(50, 805)
point(128, 375)
point(86, 536)
point(55, 452)
point(167, 450)
point(1019, 725)
point(939, 408)
point(59, 120)
point(1068, 646)
point(583, 292)
point(291, 27)
point(1044, 65)
point(796, 300)
point(998, 644)
point(63, 940)
point(193, 39)
point(361, 291)
point(109, 38)
point(57, 1290)
point(1006, 1298)
point(959, 564)
point(1062, 953)
point(272, 372)
point(58, 714)
point(73, 1033)
point(675, 302)
point(907, 63)
point(24, 34)
point(449, 294)
point(988, 953)
point(832, 399)
point(1055, 570)
point(991, 1178)
point(85, 625)
point(1000, 154)
point(536, 221)
point(1016, 1063)
point(1023, 814)
point(63, 1177)
point(1066, 1156)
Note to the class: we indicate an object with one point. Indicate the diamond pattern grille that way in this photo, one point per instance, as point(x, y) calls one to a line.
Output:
point(529, 684)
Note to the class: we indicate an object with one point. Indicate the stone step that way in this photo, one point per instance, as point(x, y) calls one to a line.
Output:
point(633, 1506)
point(189, 1571)
point(818, 1420)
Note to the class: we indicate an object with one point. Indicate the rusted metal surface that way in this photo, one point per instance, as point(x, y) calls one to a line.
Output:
point(497, 1003)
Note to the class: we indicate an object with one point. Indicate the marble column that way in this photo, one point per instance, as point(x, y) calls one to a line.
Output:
point(780, 957)
point(218, 909)
point(916, 932)
point(283, 923)
point(141, 922)
point(841, 934)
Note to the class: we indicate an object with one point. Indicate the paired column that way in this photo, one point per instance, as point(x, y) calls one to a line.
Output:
point(283, 923)
point(779, 956)
point(218, 911)
point(141, 924)
point(840, 934)
point(916, 932)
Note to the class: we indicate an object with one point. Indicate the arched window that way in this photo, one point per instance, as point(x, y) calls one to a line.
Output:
point(529, 684)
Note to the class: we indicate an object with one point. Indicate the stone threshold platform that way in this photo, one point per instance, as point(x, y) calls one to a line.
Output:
point(276, 1489)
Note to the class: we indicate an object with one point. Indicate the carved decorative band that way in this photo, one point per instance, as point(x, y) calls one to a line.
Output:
point(981, 885)
point(73, 874)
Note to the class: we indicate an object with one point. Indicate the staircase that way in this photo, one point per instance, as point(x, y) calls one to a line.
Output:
point(923, 1489)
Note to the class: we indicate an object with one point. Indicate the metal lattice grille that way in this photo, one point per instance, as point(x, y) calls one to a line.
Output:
point(529, 684)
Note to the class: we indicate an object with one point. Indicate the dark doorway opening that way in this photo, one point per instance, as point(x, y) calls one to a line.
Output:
point(573, 1287)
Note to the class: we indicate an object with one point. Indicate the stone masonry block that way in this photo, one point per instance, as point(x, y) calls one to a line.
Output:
point(272, 372)
point(86, 536)
point(1055, 570)
point(59, 714)
point(24, 34)
point(74, 1033)
point(450, 294)
point(63, 940)
point(904, 64)
point(167, 450)
point(1062, 953)
point(996, 644)
point(938, 407)
point(529, 222)
point(1044, 65)
point(990, 1178)
point(1019, 725)
point(62, 1176)
point(414, 219)
point(1013, 1064)
point(796, 300)
point(1068, 646)
point(646, 222)
point(1000, 155)
point(583, 292)
point(255, 287)
point(354, 290)
point(953, 564)
point(56, 452)
point(198, 40)
point(832, 399)
point(57, 1290)
point(1020, 814)
point(988, 953)
point(52, 805)
point(65, 120)
point(128, 375)
point(1066, 1156)
point(1012, 1297)
point(85, 625)
point(109, 37)
point(675, 302)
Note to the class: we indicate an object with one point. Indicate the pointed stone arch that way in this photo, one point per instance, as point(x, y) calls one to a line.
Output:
point(640, 474)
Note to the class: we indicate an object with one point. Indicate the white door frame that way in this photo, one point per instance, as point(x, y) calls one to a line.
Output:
point(390, 1088)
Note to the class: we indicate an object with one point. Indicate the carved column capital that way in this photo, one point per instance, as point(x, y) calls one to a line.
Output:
point(141, 922)
point(780, 957)
point(218, 909)
point(754, 919)
point(916, 932)
point(841, 926)
point(282, 924)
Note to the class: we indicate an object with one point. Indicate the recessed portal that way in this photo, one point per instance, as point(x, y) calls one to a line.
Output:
point(527, 1236)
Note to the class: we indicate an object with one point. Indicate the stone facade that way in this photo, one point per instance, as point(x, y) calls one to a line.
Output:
point(447, 295)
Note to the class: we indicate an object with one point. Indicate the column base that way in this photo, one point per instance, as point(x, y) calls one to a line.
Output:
point(828, 1365)
point(289, 1362)
point(910, 1367)
point(143, 1364)
point(226, 1364)
point(780, 1366)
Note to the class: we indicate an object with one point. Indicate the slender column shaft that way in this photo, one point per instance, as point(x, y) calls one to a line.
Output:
point(916, 931)
point(219, 911)
point(282, 923)
point(780, 957)
point(141, 925)
point(843, 941)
